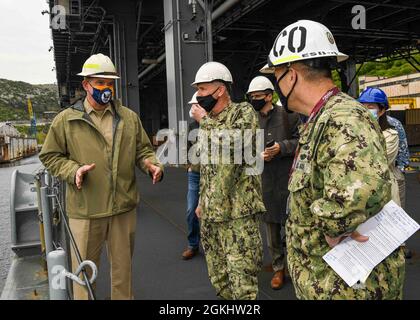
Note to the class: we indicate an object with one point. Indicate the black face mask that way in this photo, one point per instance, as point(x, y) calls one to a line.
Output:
point(207, 102)
point(258, 104)
point(303, 118)
point(282, 97)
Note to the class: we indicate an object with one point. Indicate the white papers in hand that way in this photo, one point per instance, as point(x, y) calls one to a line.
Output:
point(353, 261)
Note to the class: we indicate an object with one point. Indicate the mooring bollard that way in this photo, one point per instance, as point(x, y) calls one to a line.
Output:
point(57, 266)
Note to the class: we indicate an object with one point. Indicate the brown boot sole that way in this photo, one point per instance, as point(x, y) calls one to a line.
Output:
point(190, 256)
point(277, 288)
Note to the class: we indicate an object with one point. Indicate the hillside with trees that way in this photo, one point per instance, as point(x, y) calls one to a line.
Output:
point(14, 97)
point(388, 69)
point(385, 68)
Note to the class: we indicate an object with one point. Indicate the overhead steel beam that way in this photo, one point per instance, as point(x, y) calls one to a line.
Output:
point(209, 33)
point(217, 13)
point(146, 32)
point(246, 7)
point(351, 73)
point(125, 50)
point(185, 52)
point(385, 16)
point(138, 18)
point(152, 66)
point(406, 20)
point(225, 6)
point(377, 4)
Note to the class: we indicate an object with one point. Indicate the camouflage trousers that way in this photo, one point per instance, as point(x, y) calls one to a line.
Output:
point(233, 251)
point(313, 279)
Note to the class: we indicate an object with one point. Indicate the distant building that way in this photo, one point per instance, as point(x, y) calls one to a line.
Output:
point(7, 129)
point(403, 92)
point(13, 146)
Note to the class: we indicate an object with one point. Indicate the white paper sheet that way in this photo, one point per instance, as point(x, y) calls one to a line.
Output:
point(353, 261)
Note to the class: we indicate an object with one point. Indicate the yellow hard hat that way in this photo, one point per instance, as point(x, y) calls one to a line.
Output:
point(99, 66)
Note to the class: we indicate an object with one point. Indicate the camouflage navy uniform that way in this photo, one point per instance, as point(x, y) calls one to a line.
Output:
point(231, 201)
point(341, 179)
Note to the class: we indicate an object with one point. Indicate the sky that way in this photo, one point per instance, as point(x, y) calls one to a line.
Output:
point(25, 38)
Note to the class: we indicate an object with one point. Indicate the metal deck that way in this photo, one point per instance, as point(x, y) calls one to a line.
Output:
point(160, 272)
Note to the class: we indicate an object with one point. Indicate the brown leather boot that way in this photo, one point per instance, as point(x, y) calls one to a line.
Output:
point(189, 253)
point(278, 280)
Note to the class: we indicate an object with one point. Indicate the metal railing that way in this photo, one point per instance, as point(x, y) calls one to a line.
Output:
point(56, 237)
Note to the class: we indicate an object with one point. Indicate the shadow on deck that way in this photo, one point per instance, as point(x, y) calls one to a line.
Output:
point(160, 273)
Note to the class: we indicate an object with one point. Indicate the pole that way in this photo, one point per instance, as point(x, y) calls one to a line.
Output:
point(209, 31)
point(45, 205)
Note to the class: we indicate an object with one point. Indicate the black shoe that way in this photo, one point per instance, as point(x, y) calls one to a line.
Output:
point(407, 253)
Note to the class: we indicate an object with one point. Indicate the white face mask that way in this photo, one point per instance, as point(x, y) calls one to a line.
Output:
point(374, 113)
point(191, 116)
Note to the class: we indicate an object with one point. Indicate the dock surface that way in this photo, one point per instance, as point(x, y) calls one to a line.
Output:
point(160, 272)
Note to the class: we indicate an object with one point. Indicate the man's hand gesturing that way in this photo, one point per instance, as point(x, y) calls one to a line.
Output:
point(81, 172)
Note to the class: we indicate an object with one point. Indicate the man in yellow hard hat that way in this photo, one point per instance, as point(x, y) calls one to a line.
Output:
point(95, 146)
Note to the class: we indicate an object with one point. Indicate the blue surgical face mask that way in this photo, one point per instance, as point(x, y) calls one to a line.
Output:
point(102, 94)
point(374, 113)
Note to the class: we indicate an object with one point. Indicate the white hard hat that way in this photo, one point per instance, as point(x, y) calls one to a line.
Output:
point(193, 99)
point(260, 83)
point(302, 40)
point(99, 66)
point(212, 71)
